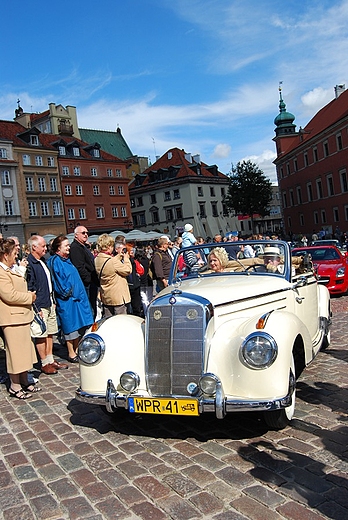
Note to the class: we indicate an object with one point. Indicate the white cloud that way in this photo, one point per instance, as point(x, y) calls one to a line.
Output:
point(265, 162)
point(221, 151)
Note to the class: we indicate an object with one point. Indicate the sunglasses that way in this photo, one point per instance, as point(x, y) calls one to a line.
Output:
point(84, 232)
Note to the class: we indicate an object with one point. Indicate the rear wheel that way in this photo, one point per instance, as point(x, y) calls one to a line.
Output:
point(279, 419)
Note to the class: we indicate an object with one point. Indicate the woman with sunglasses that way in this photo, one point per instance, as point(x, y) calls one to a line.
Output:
point(72, 305)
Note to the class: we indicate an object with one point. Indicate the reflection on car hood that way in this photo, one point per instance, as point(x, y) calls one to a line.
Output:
point(231, 288)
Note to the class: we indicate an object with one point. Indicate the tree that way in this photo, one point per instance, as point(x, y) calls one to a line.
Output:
point(249, 191)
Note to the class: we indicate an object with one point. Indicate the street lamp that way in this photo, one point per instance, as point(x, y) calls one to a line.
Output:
point(3, 227)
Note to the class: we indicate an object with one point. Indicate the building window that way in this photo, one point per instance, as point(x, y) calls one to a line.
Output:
point(44, 209)
point(202, 213)
point(96, 190)
point(330, 186)
point(212, 191)
point(323, 216)
point(176, 194)
point(142, 219)
point(200, 191)
point(326, 149)
point(5, 178)
point(111, 190)
point(301, 219)
point(153, 199)
point(288, 169)
point(53, 184)
point(76, 151)
point(344, 184)
point(155, 217)
point(65, 170)
point(178, 213)
point(285, 202)
point(114, 212)
point(29, 184)
point(167, 195)
point(61, 150)
point(118, 173)
point(336, 215)
point(78, 189)
point(319, 189)
point(34, 140)
point(315, 154)
point(120, 190)
point(291, 193)
point(32, 209)
point(109, 172)
point(316, 218)
point(223, 192)
point(309, 192)
point(94, 172)
point(77, 170)
point(295, 165)
point(305, 157)
point(38, 160)
point(82, 214)
point(289, 223)
point(96, 152)
point(123, 211)
point(169, 214)
point(67, 189)
point(281, 173)
point(346, 212)
point(132, 203)
point(57, 207)
point(99, 212)
point(71, 214)
point(3, 153)
point(299, 195)
point(42, 183)
point(214, 209)
point(26, 160)
point(140, 201)
point(50, 161)
point(9, 208)
point(339, 142)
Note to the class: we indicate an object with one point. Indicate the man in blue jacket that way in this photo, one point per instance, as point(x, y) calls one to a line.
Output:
point(39, 280)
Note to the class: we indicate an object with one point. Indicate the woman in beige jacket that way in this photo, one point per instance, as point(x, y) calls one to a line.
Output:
point(15, 317)
point(112, 272)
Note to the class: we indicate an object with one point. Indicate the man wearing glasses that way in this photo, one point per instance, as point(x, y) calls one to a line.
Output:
point(83, 260)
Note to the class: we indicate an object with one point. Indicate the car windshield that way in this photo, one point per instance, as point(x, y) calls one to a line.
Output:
point(320, 254)
point(231, 258)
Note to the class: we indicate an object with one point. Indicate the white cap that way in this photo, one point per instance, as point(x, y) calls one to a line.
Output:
point(188, 227)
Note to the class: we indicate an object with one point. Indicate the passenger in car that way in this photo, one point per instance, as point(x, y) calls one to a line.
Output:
point(218, 259)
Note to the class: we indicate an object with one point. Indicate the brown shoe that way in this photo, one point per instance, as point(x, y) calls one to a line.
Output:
point(58, 365)
point(49, 369)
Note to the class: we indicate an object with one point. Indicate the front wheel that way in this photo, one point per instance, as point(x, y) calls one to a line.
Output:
point(280, 419)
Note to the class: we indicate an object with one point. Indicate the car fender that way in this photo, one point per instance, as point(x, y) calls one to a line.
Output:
point(324, 301)
point(239, 379)
point(123, 336)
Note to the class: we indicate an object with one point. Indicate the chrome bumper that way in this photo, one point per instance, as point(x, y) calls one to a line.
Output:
point(220, 405)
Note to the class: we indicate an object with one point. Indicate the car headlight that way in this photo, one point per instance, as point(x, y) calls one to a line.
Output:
point(259, 350)
point(208, 383)
point(340, 272)
point(91, 349)
point(129, 381)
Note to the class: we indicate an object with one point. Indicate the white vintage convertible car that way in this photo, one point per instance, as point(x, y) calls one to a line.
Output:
point(228, 334)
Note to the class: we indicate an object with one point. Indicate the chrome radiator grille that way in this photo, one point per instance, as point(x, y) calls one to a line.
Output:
point(174, 350)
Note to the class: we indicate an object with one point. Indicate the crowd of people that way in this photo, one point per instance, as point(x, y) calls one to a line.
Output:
point(61, 289)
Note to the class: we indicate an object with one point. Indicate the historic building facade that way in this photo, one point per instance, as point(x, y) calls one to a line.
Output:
point(180, 188)
point(312, 168)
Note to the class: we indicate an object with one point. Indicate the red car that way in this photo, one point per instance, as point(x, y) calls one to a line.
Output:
point(331, 266)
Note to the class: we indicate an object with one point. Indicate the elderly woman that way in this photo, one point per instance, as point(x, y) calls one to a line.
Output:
point(112, 272)
point(15, 317)
point(73, 309)
point(218, 259)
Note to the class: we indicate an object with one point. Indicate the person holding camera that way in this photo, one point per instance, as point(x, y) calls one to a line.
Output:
point(112, 270)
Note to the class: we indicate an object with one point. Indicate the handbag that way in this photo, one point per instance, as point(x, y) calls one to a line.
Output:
point(39, 320)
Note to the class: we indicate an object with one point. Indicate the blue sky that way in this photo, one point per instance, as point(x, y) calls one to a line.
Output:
point(201, 75)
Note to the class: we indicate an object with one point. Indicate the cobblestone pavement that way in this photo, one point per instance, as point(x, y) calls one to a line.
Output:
point(62, 459)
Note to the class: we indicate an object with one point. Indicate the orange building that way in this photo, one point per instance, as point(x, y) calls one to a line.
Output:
point(312, 168)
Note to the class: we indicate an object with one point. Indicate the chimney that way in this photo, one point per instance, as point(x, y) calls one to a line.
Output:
point(197, 158)
point(339, 89)
point(188, 157)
